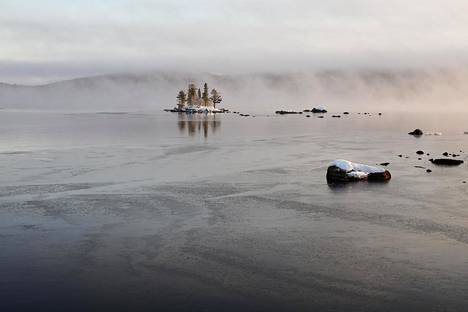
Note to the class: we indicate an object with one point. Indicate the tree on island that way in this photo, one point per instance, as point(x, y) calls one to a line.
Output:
point(192, 91)
point(194, 97)
point(182, 98)
point(205, 95)
point(215, 97)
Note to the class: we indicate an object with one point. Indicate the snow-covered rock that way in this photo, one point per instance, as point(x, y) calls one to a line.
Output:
point(345, 171)
point(319, 109)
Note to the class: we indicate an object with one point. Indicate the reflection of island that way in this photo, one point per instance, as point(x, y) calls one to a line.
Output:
point(196, 123)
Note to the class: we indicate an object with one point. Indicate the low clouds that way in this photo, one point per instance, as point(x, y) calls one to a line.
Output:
point(51, 39)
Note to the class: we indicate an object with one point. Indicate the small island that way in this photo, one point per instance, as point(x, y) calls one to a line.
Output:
point(195, 101)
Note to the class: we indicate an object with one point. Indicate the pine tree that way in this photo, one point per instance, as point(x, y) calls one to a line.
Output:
point(199, 93)
point(206, 95)
point(182, 99)
point(215, 97)
point(191, 93)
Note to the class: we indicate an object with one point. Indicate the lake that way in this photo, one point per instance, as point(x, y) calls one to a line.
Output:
point(166, 212)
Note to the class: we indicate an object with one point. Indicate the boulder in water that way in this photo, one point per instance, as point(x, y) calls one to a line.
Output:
point(416, 132)
point(319, 109)
point(343, 171)
point(446, 161)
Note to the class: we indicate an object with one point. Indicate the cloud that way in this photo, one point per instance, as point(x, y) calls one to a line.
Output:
point(227, 36)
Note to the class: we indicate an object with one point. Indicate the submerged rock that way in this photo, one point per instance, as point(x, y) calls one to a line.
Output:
point(416, 132)
point(343, 171)
point(282, 112)
point(446, 161)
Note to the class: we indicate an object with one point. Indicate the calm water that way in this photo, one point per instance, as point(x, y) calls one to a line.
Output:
point(156, 212)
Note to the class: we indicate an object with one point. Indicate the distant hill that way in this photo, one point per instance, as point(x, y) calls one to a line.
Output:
point(358, 89)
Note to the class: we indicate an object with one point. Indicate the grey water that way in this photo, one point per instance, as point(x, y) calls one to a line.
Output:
point(157, 211)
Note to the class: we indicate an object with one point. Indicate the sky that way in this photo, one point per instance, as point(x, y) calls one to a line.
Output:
point(49, 40)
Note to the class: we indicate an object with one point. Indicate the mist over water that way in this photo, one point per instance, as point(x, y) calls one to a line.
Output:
point(417, 89)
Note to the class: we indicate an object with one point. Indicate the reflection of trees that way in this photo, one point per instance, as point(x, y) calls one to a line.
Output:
point(198, 123)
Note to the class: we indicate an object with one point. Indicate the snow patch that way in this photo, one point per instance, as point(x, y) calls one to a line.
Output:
point(355, 170)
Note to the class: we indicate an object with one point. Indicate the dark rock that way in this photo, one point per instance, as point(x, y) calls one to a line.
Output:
point(308, 116)
point(446, 161)
point(420, 152)
point(282, 112)
point(445, 154)
point(419, 158)
point(337, 175)
point(380, 114)
point(320, 117)
point(400, 156)
point(346, 113)
point(306, 110)
point(379, 177)
point(385, 164)
point(318, 110)
point(416, 132)
point(428, 170)
point(336, 116)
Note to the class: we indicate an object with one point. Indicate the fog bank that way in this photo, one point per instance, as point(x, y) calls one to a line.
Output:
point(384, 90)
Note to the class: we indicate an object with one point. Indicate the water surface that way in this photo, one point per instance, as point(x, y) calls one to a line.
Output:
point(160, 211)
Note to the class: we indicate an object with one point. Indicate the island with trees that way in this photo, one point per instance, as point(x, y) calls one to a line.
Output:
point(194, 100)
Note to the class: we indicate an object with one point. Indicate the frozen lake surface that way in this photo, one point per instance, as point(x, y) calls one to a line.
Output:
point(161, 212)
